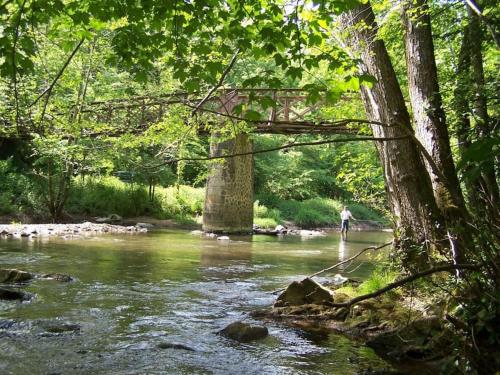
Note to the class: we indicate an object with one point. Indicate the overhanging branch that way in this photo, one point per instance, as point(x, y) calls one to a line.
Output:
point(406, 280)
point(219, 83)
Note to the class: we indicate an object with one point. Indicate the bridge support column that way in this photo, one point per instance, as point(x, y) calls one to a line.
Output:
point(229, 194)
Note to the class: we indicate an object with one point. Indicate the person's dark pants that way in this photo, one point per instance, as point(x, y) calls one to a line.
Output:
point(345, 225)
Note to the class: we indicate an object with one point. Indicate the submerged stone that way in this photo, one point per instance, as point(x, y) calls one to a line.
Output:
point(244, 332)
point(173, 345)
point(14, 276)
point(13, 295)
point(59, 327)
point(304, 292)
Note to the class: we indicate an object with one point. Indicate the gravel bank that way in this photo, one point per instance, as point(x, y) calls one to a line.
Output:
point(64, 230)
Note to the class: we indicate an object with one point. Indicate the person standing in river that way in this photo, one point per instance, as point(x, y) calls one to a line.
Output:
point(345, 215)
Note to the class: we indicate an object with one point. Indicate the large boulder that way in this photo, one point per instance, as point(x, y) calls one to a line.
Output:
point(14, 276)
point(304, 292)
point(244, 332)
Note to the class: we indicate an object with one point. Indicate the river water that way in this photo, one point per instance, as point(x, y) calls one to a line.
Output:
point(134, 292)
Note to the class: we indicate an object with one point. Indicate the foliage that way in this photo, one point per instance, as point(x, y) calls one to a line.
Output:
point(340, 171)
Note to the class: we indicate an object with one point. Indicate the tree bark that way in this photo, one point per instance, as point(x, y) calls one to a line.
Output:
point(408, 184)
point(430, 120)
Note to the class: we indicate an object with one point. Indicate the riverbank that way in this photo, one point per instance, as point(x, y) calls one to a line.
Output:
point(407, 330)
point(178, 206)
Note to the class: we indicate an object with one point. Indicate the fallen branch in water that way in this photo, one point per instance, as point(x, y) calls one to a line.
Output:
point(342, 262)
point(408, 279)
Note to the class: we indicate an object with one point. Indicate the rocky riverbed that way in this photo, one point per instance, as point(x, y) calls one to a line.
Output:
point(66, 230)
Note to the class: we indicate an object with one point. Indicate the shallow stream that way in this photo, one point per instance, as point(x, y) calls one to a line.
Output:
point(135, 292)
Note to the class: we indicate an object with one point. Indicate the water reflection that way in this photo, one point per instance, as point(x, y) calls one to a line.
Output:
point(342, 249)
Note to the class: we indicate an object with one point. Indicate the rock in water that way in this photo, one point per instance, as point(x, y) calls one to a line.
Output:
point(58, 277)
point(338, 279)
point(14, 276)
point(173, 345)
point(223, 238)
point(13, 295)
point(144, 225)
point(59, 327)
point(304, 292)
point(244, 332)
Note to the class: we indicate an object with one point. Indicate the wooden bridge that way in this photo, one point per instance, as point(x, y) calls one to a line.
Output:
point(274, 111)
point(229, 193)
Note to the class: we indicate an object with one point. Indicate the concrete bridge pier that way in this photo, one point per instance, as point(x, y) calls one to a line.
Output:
point(229, 193)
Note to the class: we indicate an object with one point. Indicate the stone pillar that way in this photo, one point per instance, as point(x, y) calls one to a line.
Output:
point(229, 193)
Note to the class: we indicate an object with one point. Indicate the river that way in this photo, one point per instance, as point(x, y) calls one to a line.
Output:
point(134, 292)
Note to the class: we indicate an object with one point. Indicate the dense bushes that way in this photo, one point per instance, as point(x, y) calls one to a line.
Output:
point(17, 192)
point(101, 196)
point(315, 212)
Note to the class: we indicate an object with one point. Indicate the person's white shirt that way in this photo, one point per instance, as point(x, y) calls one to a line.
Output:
point(345, 214)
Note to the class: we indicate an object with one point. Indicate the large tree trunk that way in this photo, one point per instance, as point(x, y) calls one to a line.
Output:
point(462, 112)
point(430, 121)
point(483, 123)
point(410, 192)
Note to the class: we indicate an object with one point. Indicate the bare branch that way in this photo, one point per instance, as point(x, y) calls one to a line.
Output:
point(351, 258)
point(219, 83)
point(49, 89)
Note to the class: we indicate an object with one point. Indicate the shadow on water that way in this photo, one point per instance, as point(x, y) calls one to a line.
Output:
point(139, 299)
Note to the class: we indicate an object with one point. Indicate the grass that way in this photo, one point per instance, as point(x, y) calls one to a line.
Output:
point(377, 280)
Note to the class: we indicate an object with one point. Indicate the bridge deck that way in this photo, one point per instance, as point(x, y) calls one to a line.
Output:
point(280, 111)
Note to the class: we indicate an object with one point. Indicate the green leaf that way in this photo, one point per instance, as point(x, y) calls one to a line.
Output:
point(252, 115)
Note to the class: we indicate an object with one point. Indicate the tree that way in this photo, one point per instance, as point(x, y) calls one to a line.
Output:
point(430, 120)
point(408, 184)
